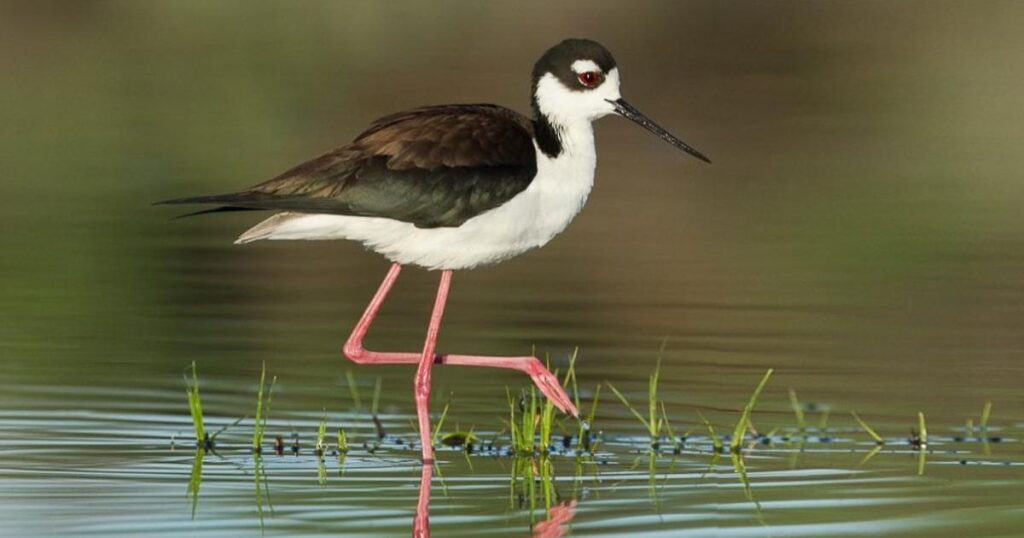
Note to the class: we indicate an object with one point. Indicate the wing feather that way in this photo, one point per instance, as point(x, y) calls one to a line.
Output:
point(432, 166)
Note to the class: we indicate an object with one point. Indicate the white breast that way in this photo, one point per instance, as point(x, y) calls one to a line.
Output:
point(527, 221)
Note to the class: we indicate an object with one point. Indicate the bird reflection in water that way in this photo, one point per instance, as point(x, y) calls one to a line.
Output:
point(553, 527)
point(421, 525)
point(558, 517)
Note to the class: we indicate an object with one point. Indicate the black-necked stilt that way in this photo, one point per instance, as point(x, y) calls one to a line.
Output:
point(454, 187)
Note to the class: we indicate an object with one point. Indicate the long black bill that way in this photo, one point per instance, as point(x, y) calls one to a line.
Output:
point(626, 110)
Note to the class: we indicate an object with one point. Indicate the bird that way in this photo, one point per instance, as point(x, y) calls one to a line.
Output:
point(449, 188)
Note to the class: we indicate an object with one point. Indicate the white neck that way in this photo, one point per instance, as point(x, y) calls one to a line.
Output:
point(563, 183)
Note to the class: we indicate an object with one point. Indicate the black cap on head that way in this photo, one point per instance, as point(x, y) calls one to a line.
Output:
point(558, 60)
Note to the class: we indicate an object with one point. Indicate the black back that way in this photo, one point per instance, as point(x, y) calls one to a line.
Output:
point(432, 166)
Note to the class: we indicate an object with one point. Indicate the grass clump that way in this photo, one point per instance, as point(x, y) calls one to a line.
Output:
point(536, 418)
point(523, 430)
point(262, 410)
point(531, 430)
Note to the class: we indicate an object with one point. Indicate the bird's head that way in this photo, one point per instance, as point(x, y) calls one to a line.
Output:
point(577, 81)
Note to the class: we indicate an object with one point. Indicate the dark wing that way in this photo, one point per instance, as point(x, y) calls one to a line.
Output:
point(432, 166)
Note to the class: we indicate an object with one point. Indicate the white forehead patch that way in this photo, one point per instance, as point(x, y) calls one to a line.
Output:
point(584, 66)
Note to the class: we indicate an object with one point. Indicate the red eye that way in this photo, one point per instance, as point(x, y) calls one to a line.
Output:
point(590, 79)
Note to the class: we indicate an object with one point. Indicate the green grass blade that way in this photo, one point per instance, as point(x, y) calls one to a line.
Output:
point(593, 406)
point(984, 417)
point(195, 404)
point(196, 480)
point(226, 426)
point(513, 426)
point(653, 427)
point(321, 433)
point(321, 471)
point(668, 428)
point(570, 377)
point(375, 405)
point(529, 430)
point(716, 441)
point(868, 429)
point(823, 421)
point(257, 430)
point(741, 425)
point(270, 398)
point(740, 468)
point(342, 441)
point(440, 422)
point(587, 426)
point(629, 406)
point(547, 417)
point(871, 453)
point(798, 410)
point(353, 389)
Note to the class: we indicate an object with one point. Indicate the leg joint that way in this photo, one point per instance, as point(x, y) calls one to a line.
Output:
point(354, 352)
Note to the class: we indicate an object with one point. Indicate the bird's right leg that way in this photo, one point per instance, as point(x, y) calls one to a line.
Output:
point(354, 350)
point(543, 378)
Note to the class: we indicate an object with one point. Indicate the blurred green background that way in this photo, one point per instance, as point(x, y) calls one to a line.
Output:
point(859, 231)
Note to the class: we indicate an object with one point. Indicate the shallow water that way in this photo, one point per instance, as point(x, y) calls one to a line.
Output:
point(859, 232)
point(115, 468)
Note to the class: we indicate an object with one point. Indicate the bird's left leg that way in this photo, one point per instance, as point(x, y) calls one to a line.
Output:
point(421, 385)
point(354, 349)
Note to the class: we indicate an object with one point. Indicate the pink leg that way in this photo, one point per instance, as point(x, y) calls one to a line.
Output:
point(421, 523)
point(421, 385)
point(354, 350)
point(531, 366)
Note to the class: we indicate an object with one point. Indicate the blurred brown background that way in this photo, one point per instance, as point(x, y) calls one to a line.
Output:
point(859, 229)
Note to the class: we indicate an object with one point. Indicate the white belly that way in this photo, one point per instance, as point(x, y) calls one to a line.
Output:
point(527, 221)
